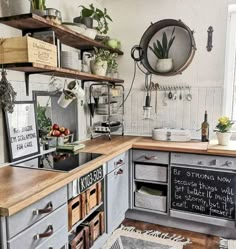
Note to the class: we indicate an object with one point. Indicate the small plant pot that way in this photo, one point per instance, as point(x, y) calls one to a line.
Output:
point(66, 98)
point(164, 65)
point(98, 68)
point(39, 12)
point(17, 7)
point(88, 21)
point(223, 137)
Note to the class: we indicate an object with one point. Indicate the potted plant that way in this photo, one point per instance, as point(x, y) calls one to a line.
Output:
point(223, 130)
point(112, 66)
point(100, 62)
point(161, 51)
point(38, 7)
point(44, 122)
point(87, 15)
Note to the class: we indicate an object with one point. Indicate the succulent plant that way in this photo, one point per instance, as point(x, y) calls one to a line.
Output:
point(161, 49)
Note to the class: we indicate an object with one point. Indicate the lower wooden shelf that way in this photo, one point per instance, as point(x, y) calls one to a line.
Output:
point(34, 68)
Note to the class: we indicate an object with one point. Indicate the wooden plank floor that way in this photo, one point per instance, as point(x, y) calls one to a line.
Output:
point(199, 241)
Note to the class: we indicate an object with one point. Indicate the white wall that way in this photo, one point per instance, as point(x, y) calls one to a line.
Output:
point(205, 74)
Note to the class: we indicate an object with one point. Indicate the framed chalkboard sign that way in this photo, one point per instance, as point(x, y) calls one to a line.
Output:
point(22, 132)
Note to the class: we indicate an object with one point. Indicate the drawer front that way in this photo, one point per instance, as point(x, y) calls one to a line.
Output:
point(150, 172)
point(147, 156)
point(117, 162)
point(220, 162)
point(28, 216)
point(151, 202)
point(57, 241)
point(30, 238)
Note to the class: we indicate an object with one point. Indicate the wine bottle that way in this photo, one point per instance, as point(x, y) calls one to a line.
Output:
point(205, 129)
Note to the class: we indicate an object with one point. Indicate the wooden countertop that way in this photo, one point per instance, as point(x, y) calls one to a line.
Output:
point(20, 187)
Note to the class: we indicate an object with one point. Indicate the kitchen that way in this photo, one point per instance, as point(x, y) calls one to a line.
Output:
point(204, 79)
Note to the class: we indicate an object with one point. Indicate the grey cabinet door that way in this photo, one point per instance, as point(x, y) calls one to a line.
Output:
point(117, 196)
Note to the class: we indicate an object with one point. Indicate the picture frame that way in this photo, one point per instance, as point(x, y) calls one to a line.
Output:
point(22, 131)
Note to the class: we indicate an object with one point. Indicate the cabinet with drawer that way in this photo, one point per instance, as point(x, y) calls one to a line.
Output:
point(150, 181)
point(41, 225)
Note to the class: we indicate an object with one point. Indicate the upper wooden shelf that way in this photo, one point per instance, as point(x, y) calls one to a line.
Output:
point(28, 22)
point(60, 72)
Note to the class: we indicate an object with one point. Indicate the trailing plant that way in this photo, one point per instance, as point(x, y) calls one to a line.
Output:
point(38, 4)
point(44, 122)
point(98, 15)
point(161, 49)
point(112, 64)
point(224, 125)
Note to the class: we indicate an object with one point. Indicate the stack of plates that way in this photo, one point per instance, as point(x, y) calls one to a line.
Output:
point(175, 135)
point(102, 109)
point(70, 60)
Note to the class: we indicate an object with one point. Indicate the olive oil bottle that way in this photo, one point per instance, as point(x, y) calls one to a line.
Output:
point(205, 129)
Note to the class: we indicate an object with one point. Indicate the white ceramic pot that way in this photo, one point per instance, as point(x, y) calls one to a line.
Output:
point(223, 137)
point(164, 65)
point(66, 98)
point(17, 7)
point(98, 68)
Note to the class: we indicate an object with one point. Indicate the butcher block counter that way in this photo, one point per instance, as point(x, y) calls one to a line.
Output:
point(20, 187)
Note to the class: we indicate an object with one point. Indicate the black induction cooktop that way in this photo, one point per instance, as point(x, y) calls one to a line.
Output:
point(58, 161)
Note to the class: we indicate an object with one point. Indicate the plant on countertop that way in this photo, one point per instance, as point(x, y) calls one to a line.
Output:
point(98, 15)
point(224, 125)
point(38, 4)
point(161, 49)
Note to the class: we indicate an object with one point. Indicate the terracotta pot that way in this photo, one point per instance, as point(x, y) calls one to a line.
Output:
point(223, 137)
point(98, 68)
point(164, 65)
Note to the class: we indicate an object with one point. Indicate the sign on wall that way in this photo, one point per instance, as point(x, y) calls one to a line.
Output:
point(22, 131)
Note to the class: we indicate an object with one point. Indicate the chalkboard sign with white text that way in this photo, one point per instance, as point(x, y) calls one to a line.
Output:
point(205, 192)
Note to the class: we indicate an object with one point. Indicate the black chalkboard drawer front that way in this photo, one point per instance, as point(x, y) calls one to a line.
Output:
point(150, 172)
point(207, 192)
point(148, 156)
point(203, 219)
point(151, 202)
point(204, 161)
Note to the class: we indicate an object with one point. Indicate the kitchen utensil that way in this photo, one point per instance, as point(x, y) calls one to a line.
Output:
point(189, 95)
point(164, 101)
point(175, 94)
point(170, 95)
point(180, 95)
point(156, 89)
point(91, 108)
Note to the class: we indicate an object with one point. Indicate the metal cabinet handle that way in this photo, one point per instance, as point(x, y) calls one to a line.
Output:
point(151, 157)
point(46, 210)
point(47, 234)
point(119, 172)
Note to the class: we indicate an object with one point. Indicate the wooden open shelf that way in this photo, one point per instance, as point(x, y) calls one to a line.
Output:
point(60, 72)
point(28, 22)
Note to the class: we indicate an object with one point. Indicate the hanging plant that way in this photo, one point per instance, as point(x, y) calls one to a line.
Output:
point(7, 94)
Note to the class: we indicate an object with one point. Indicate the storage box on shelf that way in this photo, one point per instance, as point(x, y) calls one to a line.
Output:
point(83, 205)
point(80, 238)
point(96, 226)
point(76, 209)
point(27, 49)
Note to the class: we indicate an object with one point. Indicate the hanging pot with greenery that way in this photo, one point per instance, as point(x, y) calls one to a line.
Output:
point(161, 50)
point(88, 14)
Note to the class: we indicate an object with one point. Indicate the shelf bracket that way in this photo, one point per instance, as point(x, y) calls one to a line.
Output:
point(27, 83)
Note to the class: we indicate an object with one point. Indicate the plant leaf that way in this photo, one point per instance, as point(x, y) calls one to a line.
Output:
point(164, 44)
point(161, 49)
point(169, 46)
point(156, 52)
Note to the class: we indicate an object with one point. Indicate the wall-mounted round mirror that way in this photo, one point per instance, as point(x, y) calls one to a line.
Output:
point(168, 47)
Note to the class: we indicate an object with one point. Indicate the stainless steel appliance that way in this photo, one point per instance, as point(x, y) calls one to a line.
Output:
point(58, 161)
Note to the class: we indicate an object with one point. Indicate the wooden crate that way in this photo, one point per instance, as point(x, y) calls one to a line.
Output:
point(76, 210)
point(96, 226)
point(27, 49)
point(93, 196)
point(81, 239)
